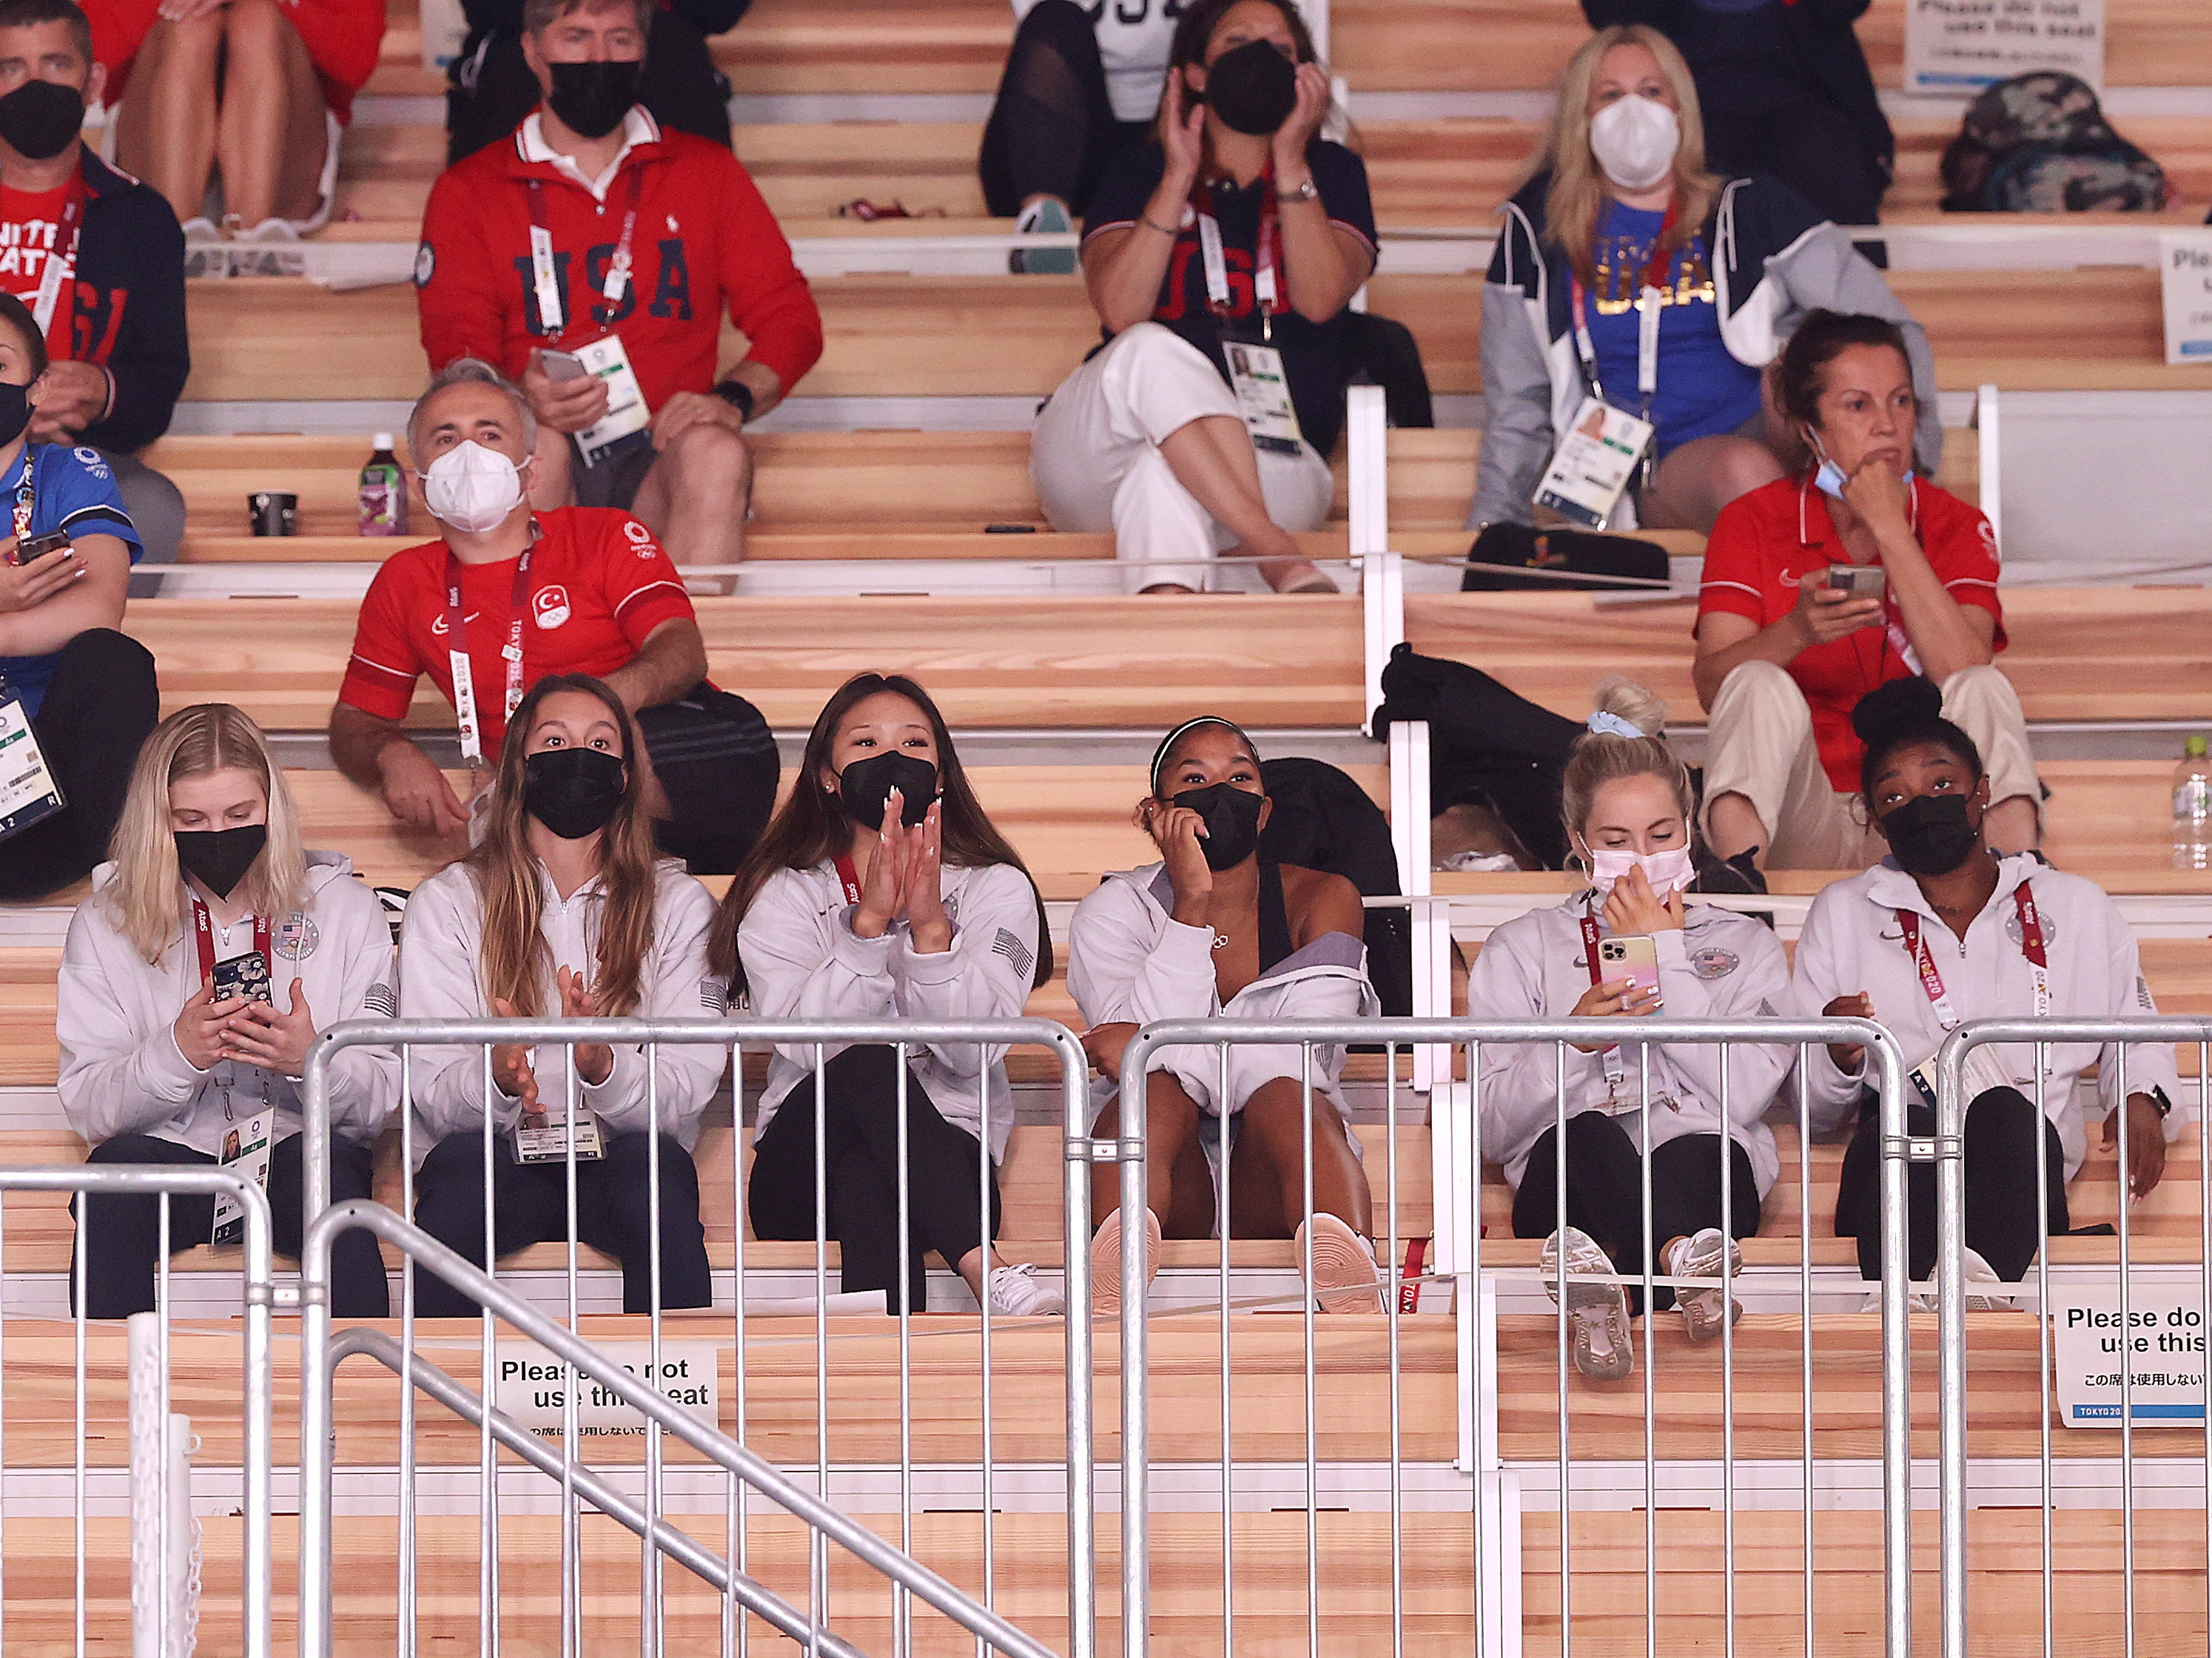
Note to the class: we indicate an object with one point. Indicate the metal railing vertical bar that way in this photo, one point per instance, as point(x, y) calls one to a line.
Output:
point(1469, 1224)
point(1392, 1294)
point(650, 1589)
point(1136, 1379)
point(410, 1541)
point(737, 1631)
point(1559, 1297)
point(2125, 1207)
point(488, 1631)
point(2204, 1292)
point(1805, 1331)
point(817, 1559)
point(901, 1611)
point(3, 1418)
point(78, 1489)
point(1222, 1293)
point(1650, 1344)
point(1307, 1312)
point(1728, 1358)
point(2043, 1355)
point(163, 1310)
point(989, 1444)
point(572, 1551)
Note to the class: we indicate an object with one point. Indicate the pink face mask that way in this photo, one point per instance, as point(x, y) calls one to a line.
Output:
point(1668, 871)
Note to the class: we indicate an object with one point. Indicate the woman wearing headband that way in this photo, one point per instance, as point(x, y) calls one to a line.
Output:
point(1631, 1114)
point(1215, 929)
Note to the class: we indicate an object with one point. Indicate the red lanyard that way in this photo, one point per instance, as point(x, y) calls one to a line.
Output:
point(61, 263)
point(457, 653)
point(1589, 948)
point(204, 929)
point(2031, 945)
point(1655, 269)
point(1267, 257)
point(849, 879)
point(617, 282)
point(1616, 1069)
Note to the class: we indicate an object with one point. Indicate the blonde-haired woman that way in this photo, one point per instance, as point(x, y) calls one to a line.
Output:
point(1626, 801)
point(564, 909)
point(1627, 272)
point(196, 977)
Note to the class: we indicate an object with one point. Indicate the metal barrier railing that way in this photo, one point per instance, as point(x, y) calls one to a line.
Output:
point(1475, 1282)
point(665, 1085)
point(2181, 1343)
point(161, 1590)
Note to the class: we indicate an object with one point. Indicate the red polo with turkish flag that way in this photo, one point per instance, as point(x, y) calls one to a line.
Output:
point(598, 585)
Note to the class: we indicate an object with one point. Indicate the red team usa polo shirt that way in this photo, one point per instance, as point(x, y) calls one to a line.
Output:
point(704, 242)
point(598, 585)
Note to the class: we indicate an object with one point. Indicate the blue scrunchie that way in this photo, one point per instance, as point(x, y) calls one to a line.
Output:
point(1603, 724)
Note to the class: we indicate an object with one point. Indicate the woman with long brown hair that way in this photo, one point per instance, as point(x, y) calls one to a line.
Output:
point(212, 951)
point(564, 909)
point(881, 891)
point(1628, 273)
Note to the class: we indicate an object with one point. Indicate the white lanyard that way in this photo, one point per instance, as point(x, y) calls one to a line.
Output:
point(457, 654)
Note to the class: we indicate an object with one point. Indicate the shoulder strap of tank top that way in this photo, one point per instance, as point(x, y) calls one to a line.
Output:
point(1274, 917)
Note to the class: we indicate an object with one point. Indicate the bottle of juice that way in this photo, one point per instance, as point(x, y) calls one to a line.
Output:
point(383, 492)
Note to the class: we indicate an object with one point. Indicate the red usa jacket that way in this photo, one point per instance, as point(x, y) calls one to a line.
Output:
point(705, 243)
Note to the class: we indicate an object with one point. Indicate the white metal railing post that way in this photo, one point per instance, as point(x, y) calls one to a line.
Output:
point(1991, 460)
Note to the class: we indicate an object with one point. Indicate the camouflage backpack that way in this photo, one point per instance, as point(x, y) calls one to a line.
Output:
point(2038, 143)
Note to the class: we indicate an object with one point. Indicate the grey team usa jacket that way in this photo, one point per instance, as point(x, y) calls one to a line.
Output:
point(1773, 258)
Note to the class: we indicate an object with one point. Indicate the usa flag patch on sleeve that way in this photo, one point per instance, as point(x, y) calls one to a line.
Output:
point(1016, 952)
point(381, 1000)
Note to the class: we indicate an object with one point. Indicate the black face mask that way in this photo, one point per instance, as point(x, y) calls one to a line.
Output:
point(1928, 834)
point(1253, 88)
point(866, 786)
point(573, 791)
point(218, 858)
point(14, 410)
point(1232, 822)
point(39, 118)
point(592, 98)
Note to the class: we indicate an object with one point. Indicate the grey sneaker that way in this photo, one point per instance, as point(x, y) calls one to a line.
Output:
point(1706, 1313)
point(1045, 218)
point(1598, 1314)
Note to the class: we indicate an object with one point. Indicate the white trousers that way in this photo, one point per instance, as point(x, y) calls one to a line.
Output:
point(1759, 743)
point(1095, 457)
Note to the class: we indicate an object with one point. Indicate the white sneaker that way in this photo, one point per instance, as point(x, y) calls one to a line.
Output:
point(1913, 1303)
point(1598, 1314)
point(1106, 1261)
point(1015, 1293)
point(1346, 1278)
point(1978, 1272)
point(1706, 1313)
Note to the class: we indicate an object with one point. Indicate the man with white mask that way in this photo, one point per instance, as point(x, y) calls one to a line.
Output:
point(510, 595)
point(1628, 274)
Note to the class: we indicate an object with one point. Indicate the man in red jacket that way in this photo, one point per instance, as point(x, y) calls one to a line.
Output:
point(591, 257)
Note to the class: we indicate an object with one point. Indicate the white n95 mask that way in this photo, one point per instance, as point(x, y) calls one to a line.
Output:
point(1634, 139)
point(1668, 871)
point(471, 487)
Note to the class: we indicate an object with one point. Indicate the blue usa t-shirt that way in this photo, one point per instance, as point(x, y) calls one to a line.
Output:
point(1703, 391)
point(72, 489)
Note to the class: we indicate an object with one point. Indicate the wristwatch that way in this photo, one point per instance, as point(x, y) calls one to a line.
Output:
point(737, 395)
point(1308, 191)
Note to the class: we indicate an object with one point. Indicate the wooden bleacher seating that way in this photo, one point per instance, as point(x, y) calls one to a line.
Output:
point(260, 338)
point(1424, 175)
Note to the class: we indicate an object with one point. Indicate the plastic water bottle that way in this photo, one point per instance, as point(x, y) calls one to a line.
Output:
point(383, 492)
point(2192, 808)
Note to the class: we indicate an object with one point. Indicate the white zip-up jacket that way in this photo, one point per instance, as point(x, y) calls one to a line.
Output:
point(122, 1072)
point(1718, 965)
point(440, 978)
point(1130, 960)
point(1851, 944)
point(802, 960)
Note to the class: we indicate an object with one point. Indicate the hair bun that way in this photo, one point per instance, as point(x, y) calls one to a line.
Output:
point(1623, 698)
point(1894, 705)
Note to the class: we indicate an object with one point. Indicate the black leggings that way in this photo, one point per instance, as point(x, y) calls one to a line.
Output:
point(2002, 1225)
point(122, 1237)
point(98, 711)
point(1793, 133)
point(944, 1207)
point(1052, 130)
point(529, 1205)
point(1605, 1192)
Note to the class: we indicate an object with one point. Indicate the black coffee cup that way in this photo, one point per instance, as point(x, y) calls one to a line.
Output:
point(274, 512)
